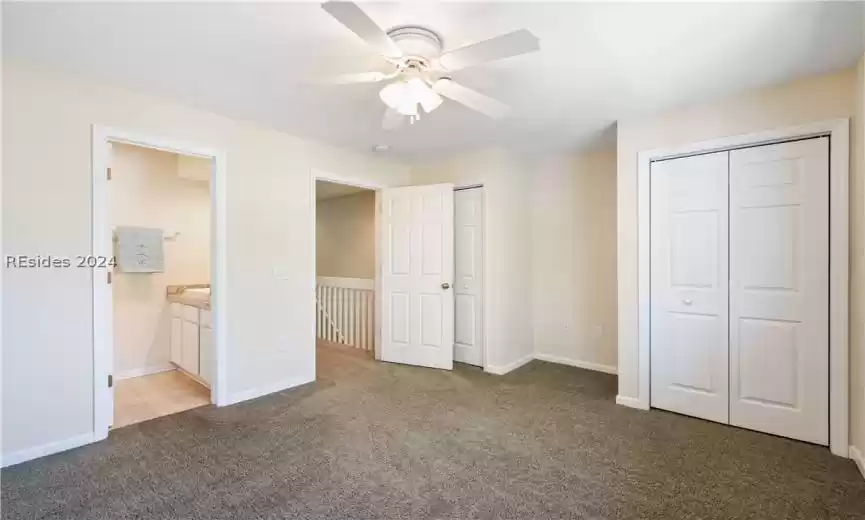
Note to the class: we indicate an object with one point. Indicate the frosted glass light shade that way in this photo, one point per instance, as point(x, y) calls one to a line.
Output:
point(394, 94)
point(404, 97)
point(424, 95)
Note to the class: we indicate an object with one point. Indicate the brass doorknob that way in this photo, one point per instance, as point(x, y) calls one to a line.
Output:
point(446, 285)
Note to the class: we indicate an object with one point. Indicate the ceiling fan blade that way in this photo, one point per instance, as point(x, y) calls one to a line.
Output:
point(356, 21)
point(500, 47)
point(361, 77)
point(471, 98)
point(392, 119)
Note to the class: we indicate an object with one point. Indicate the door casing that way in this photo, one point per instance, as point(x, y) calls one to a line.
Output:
point(103, 326)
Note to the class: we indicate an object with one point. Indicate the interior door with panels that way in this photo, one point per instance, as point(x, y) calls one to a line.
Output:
point(468, 285)
point(417, 267)
point(779, 297)
point(689, 286)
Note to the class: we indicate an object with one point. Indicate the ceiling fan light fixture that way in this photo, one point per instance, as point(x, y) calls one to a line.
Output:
point(404, 97)
point(417, 62)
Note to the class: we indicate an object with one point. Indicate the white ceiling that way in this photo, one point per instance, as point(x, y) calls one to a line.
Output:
point(598, 62)
point(329, 190)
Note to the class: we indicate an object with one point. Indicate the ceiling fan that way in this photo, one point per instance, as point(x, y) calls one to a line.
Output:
point(420, 70)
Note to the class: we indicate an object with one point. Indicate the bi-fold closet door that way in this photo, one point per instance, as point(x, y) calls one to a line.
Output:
point(740, 287)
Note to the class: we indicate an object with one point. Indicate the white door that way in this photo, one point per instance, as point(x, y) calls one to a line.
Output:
point(779, 296)
point(417, 262)
point(689, 282)
point(468, 284)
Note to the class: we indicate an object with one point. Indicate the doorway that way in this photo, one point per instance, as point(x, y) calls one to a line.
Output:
point(162, 337)
point(345, 267)
point(137, 250)
point(427, 288)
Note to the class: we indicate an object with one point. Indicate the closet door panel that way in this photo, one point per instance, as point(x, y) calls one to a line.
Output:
point(689, 281)
point(779, 298)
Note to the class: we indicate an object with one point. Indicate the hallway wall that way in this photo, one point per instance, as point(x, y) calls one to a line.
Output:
point(345, 236)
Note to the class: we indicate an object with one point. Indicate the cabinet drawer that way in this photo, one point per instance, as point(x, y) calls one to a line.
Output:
point(190, 313)
point(177, 310)
point(206, 320)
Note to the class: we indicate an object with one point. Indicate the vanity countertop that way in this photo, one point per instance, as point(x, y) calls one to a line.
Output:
point(194, 295)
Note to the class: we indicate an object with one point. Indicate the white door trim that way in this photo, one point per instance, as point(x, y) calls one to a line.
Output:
point(320, 175)
point(102, 246)
point(838, 132)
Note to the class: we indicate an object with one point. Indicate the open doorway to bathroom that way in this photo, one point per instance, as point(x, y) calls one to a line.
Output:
point(163, 349)
point(345, 262)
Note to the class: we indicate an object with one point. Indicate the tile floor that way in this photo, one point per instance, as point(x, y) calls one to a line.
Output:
point(143, 398)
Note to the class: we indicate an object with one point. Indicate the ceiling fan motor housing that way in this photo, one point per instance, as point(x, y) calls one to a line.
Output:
point(417, 42)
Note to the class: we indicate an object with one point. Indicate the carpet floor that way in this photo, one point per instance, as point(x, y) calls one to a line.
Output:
point(375, 440)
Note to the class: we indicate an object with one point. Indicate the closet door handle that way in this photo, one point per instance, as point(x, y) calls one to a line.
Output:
point(687, 302)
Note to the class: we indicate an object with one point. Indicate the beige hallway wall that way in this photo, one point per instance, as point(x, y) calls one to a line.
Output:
point(345, 236)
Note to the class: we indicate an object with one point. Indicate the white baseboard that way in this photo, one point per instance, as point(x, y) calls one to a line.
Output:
point(279, 386)
point(501, 370)
point(144, 371)
point(46, 449)
point(607, 369)
point(858, 458)
point(631, 402)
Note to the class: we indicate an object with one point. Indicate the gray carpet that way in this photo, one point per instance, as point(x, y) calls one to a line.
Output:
point(373, 440)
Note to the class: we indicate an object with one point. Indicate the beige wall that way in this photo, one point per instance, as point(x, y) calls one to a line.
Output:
point(507, 235)
point(574, 258)
point(147, 191)
point(857, 267)
point(47, 313)
point(345, 236)
point(809, 100)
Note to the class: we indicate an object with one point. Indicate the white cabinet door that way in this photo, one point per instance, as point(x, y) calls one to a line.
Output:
point(189, 358)
point(417, 261)
point(176, 341)
point(205, 354)
point(689, 286)
point(779, 291)
point(468, 267)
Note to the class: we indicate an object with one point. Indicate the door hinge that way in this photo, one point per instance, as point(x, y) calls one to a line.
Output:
point(110, 380)
point(109, 277)
point(109, 174)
